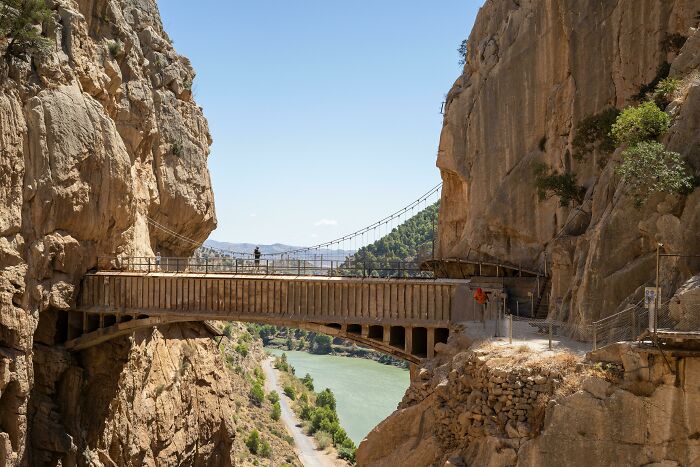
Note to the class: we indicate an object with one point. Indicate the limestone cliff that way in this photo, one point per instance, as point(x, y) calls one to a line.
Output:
point(498, 407)
point(535, 70)
point(97, 135)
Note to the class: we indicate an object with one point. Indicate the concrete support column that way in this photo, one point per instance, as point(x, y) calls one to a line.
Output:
point(408, 336)
point(102, 320)
point(365, 330)
point(387, 334)
point(431, 343)
point(85, 322)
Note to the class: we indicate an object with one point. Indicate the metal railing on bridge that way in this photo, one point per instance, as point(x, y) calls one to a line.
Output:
point(265, 266)
point(677, 318)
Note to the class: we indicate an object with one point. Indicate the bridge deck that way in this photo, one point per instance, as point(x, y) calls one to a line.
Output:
point(404, 316)
point(321, 299)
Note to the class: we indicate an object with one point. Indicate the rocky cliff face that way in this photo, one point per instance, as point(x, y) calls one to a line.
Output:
point(502, 407)
point(534, 71)
point(98, 135)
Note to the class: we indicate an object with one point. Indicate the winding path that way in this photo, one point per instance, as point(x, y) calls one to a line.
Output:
point(305, 446)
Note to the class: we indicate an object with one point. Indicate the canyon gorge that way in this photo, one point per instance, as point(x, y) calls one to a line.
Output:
point(101, 139)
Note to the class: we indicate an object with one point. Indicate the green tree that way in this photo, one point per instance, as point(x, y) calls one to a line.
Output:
point(276, 411)
point(257, 395)
point(18, 24)
point(322, 344)
point(273, 397)
point(641, 123)
point(290, 392)
point(550, 183)
point(308, 381)
point(265, 449)
point(253, 442)
point(325, 398)
point(649, 168)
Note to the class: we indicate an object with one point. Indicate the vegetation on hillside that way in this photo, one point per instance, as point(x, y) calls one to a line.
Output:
point(261, 436)
point(562, 185)
point(410, 241)
point(317, 410)
point(647, 167)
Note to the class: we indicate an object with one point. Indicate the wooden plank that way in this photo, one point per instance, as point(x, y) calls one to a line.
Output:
point(168, 291)
point(386, 314)
point(318, 305)
point(408, 301)
point(423, 301)
point(416, 302)
point(324, 299)
point(431, 303)
point(394, 301)
point(337, 299)
point(351, 300)
point(365, 311)
point(401, 307)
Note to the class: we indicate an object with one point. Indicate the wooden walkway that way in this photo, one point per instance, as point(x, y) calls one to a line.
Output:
point(405, 317)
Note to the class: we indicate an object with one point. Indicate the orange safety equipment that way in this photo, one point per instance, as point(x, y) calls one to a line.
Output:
point(480, 297)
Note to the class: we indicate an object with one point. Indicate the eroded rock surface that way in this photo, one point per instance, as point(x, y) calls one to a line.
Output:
point(98, 135)
point(534, 70)
point(503, 407)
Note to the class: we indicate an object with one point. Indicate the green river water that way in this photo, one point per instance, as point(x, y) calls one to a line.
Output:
point(366, 392)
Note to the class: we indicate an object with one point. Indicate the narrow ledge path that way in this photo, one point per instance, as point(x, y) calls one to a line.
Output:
point(304, 445)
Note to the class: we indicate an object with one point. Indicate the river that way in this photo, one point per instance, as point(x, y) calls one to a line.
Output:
point(366, 392)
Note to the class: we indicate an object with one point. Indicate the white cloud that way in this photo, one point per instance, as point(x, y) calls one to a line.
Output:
point(313, 235)
point(326, 222)
point(253, 215)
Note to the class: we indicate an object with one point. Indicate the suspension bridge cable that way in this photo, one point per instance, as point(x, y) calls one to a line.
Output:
point(350, 237)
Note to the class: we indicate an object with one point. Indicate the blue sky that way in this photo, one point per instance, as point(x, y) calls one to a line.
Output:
point(324, 114)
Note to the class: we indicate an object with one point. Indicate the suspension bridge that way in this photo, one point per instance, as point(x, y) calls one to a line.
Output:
point(403, 308)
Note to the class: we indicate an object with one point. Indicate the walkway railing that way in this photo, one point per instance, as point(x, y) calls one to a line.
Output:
point(264, 266)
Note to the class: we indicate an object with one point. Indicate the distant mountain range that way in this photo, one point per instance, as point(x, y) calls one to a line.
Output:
point(271, 249)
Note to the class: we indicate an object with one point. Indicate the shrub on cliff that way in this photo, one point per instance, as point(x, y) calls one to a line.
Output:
point(550, 183)
point(649, 167)
point(347, 454)
point(276, 411)
point(641, 123)
point(253, 442)
point(273, 397)
point(290, 392)
point(257, 395)
point(20, 22)
point(462, 51)
point(593, 133)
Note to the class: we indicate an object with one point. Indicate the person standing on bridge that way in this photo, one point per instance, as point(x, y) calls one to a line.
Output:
point(257, 254)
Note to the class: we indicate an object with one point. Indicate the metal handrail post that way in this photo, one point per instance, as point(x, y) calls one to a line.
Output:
point(510, 329)
point(595, 336)
point(550, 335)
point(206, 265)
